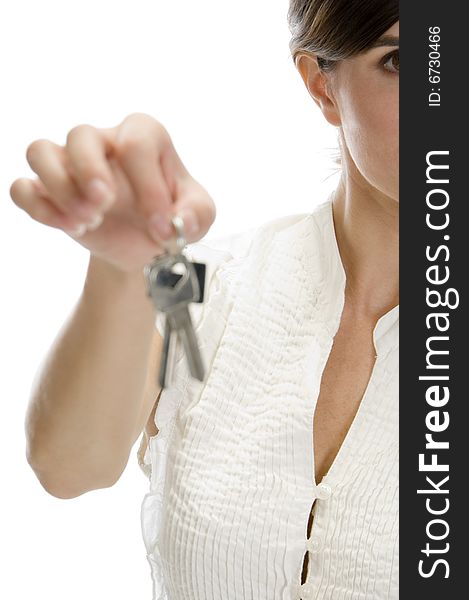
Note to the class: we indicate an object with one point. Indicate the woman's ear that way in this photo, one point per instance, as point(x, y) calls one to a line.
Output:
point(318, 85)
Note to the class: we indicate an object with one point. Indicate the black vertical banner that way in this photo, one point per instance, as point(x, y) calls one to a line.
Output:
point(434, 236)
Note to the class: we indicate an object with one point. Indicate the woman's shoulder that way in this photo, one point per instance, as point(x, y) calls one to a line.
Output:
point(222, 247)
point(238, 244)
point(229, 258)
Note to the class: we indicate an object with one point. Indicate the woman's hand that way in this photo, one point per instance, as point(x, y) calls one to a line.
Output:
point(115, 190)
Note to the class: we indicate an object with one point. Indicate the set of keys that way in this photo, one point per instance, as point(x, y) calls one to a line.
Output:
point(171, 293)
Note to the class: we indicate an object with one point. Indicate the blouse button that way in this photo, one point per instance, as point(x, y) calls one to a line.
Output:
point(306, 591)
point(313, 544)
point(323, 491)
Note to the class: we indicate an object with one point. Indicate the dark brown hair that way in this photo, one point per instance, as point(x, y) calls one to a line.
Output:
point(338, 29)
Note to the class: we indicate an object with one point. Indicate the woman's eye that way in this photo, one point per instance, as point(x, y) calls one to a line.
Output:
point(391, 62)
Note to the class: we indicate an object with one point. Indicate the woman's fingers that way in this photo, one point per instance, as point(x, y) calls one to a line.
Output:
point(191, 200)
point(139, 143)
point(87, 148)
point(31, 196)
point(48, 161)
point(161, 183)
point(136, 163)
point(196, 208)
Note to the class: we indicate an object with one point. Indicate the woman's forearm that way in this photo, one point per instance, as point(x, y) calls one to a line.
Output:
point(88, 394)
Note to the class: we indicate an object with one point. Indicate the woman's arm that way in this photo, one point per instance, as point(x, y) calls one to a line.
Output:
point(115, 191)
point(94, 392)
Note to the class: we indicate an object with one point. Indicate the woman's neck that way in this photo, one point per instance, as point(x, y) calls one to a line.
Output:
point(367, 231)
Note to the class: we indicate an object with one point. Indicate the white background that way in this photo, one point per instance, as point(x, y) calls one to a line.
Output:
point(219, 75)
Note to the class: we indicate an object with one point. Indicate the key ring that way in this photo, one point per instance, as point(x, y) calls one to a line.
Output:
point(173, 255)
point(176, 246)
point(178, 223)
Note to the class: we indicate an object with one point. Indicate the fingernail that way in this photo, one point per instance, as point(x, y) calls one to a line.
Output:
point(78, 231)
point(95, 223)
point(191, 222)
point(100, 193)
point(160, 226)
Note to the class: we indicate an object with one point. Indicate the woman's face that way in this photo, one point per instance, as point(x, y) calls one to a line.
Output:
point(363, 100)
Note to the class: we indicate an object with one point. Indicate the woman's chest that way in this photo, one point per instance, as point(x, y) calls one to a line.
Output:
point(240, 481)
point(240, 489)
point(346, 374)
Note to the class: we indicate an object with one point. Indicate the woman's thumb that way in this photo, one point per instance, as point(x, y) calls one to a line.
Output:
point(197, 210)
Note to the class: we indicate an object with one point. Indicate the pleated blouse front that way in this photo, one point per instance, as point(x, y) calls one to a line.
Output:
point(231, 468)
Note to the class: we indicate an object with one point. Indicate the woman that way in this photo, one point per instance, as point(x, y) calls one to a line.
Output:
point(277, 477)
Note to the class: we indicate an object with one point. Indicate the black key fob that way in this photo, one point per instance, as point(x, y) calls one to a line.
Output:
point(171, 278)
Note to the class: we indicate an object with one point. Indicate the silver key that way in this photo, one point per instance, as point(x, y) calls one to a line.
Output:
point(165, 376)
point(173, 299)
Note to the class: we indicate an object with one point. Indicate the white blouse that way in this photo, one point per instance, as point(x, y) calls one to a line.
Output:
point(231, 467)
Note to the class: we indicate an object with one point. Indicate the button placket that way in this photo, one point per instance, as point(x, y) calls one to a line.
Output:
point(305, 591)
point(313, 544)
point(323, 491)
